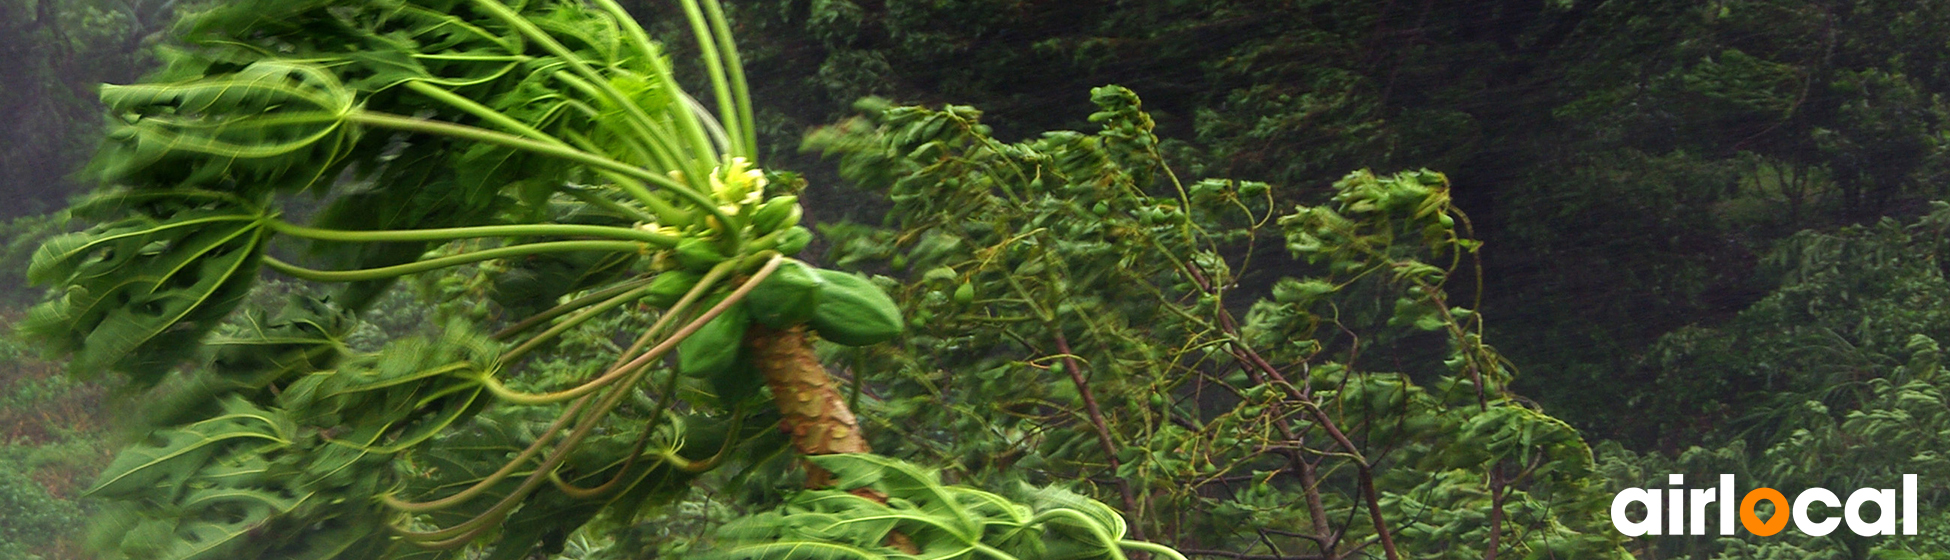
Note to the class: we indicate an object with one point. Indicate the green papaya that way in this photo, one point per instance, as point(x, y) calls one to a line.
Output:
point(788, 297)
point(715, 347)
point(699, 254)
point(794, 239)
point(776, 214)
point(670, 286)
point(854, 312)
point(788, 241)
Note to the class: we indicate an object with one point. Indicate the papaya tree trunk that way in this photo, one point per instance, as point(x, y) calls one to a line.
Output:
point(812, 410)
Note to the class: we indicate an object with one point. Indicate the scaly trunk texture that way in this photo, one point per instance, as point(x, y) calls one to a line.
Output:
point(811, 407)
point(813, 410)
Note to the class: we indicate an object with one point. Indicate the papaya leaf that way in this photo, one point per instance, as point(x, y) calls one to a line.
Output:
point(798, 550)
point(1048, 498)
point(305, 336)
point(903, 481)
point(272, 124)
point(173, 455)
point(140, 291)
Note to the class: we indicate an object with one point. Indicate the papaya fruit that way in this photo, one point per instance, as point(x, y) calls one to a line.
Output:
point(788, 241)
point(777, 213)
point(715, 347)
point(854, 312)
point(699, 254)
point(670, 286)
point(788, 297)
point(794, 239)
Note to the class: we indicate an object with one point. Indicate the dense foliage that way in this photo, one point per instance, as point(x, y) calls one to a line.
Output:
point(1707, 241)
point(54, 55)
point(1833, 380)
point(1085, 316)
point(549, 138)
point(1630, 160)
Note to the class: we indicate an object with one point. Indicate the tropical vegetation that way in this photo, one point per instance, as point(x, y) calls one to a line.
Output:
point(483, 278)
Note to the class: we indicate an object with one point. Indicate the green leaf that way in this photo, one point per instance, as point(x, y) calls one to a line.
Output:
point(273, 123)
point(138, 293)
point(1048, 498)
point(797, 550)
point(170, 456)
point(903, 481)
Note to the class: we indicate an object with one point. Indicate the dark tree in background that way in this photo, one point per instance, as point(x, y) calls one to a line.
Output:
point(53, 56)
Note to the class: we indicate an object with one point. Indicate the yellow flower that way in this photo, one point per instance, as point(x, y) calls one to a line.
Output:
point(738, 184)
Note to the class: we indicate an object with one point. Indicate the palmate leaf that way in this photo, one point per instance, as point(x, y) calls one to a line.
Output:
point(224, 523)
point(379, 40)
point(233, 504)
point(305, 336)
point(905, 482)
point(799, 550)
point(1047, 498)
point(138, 292)
point(336, 537)
point(943, 522)
point(173, 455)
point(271, 124)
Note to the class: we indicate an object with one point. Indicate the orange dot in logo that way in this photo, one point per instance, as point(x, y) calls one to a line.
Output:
point(1752, 522)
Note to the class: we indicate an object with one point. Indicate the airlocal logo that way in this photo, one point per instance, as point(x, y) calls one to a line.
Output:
point(1684, 510)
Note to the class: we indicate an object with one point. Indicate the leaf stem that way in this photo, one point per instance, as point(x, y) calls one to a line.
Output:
point(715, 68)
point(447, 234)
point(629, 106)
point(572, 305)
point(745, 128)
point(1152, 547)
point(465, 132)
point(467, 530)
point(579, 318)
point(616, 371)
point(444, 262)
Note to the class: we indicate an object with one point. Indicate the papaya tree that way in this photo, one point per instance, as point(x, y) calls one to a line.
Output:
point(613, 310)
point(538, 159)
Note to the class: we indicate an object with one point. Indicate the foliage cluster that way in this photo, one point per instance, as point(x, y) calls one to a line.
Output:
point(1833, 380)
point(50, 442)
point(1081, 314)
point(1632, 159)
point(567, 196)
point(1243, 377)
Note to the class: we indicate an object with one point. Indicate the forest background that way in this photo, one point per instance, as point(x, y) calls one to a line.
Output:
point(1709, 242)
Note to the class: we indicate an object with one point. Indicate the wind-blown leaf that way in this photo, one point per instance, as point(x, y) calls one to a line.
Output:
point(902, 481)
point(305, 336)
point(140, 291)
point(171, 456)
point(225, 524)
point(800, 551)
point(1047, 498)
point(936, 518)
point(272, 124)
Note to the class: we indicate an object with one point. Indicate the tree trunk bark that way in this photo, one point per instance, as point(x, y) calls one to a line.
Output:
point(811, 407)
